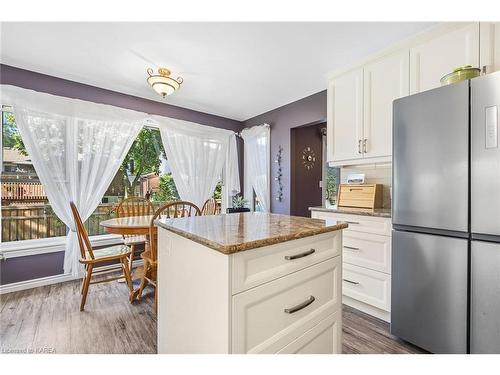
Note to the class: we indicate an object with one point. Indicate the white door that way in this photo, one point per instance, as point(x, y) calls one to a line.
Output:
point(345, 116)
point(490, 46)
point(384, 80)
point(433, 59)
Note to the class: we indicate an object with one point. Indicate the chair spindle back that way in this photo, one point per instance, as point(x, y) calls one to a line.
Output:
point(134, 206)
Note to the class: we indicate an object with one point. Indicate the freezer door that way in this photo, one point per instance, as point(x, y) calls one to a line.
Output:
point(429, 291)
point(485, 297)
point(430, 159)
point(485, 155)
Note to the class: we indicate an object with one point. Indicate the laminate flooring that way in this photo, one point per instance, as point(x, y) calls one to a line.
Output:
point(48, 320)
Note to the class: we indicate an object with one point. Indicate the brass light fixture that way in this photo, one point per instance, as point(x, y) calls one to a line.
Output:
point(162, 83)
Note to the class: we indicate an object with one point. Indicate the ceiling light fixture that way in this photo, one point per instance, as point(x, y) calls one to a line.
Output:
point(162, 83)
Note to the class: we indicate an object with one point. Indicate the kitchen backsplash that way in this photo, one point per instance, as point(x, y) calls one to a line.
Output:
point(374, 174)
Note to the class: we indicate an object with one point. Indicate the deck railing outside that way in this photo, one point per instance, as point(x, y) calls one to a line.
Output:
point(38, 220)
point(14, 191)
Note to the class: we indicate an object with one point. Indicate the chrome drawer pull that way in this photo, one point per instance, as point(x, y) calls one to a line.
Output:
point(351, 282)
point(301, 255)
point(351, 248)
point(300, 306)
point(352, 222)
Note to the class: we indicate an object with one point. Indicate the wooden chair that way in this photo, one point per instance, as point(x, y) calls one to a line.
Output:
point(176, 209)
point(209, 207)
point(134, 206)
point(91, 258)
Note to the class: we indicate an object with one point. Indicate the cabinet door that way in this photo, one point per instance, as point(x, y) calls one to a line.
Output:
point(432, 60)
point(345, 115)
point(261, 318)
point(490, 46)
point(384, 80)
point(323, 338)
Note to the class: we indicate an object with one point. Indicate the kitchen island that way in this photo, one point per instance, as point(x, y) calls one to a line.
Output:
point(249, 283)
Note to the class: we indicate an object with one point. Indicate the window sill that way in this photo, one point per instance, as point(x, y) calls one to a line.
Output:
point(24, 248)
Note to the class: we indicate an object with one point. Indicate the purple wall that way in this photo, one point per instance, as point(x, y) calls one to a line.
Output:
point(31, 267)
point(307, 111)
point(36, 266)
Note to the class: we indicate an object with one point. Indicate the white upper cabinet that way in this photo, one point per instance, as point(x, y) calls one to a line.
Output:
point(345, 116)
point(385, 79)
point(433, 59)
point(360, 101)
point(489, 58)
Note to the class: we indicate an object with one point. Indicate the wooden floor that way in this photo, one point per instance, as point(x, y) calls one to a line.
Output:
point(48, 319)
point(365, 334)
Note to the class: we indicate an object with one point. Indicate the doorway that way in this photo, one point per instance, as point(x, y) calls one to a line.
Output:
point(306, 168)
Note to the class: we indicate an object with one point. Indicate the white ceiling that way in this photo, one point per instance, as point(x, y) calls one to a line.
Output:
point(235, 70)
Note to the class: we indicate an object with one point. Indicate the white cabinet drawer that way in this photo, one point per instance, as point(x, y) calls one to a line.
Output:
point(358, 223)
point(260, 323)
point(252, 268)
point(323, 338)
point(371, 287)
point(367, 250)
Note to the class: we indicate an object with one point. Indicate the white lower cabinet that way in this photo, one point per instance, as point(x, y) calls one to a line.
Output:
point(366, 254)
point(281, 298)
point(323, 338)
point(368, 286)
point(368, 250)
point(267, 318)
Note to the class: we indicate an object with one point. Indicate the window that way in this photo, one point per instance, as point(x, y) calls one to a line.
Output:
point(144, 172)
point(26, 213)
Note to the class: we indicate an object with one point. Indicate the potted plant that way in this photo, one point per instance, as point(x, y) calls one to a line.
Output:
point(239, 205)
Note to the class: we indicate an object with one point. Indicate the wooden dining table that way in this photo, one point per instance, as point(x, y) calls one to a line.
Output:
point(130, 226)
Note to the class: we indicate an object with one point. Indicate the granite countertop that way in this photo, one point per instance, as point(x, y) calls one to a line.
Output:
point(379, 212)
point(230, 233)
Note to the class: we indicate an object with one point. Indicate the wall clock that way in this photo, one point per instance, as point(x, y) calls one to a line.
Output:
point(308, 158)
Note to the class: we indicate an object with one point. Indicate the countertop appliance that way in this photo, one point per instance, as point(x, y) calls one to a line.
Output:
point(446, 218)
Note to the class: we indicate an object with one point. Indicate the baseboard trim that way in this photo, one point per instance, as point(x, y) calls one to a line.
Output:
point(370, 310)
point(35, 283)
point(43, 281)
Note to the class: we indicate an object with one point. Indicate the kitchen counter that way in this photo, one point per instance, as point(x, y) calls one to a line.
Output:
point(249, 283)
point(232, 233)
point(377, 212)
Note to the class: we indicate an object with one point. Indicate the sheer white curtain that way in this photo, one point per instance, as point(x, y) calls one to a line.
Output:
point(76, 148)
point(197, 155)
point(257, 162)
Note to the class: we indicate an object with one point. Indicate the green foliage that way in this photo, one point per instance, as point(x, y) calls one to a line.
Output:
point(11, 136)
point(239, 201)
point(167, 191)
point(331, 184)
point(144, 155)
point(218, 191)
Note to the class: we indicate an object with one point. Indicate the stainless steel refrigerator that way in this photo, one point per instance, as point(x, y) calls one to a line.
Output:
point(446, 218)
